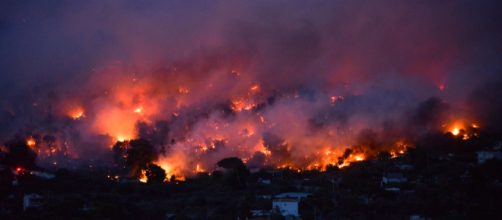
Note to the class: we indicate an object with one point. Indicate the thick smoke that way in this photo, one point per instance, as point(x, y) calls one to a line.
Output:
point(275, 83)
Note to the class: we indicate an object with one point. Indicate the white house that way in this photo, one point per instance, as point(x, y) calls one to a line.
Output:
point(286, 207)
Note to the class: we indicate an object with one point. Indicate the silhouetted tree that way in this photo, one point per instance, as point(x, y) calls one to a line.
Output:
point(134, 155)
point(237, 171)
point(155, 174)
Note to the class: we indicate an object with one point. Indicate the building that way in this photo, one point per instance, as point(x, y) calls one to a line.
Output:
point(393, 178)
point(32, 201)
point(286, 207)
point(259, 213)
point(483, 156)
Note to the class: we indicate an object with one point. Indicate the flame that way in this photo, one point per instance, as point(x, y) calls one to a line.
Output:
point(359, 157)
point(199, 169)
point(255, 88)
point(183, 90)
point(460, 128)
point(142, 176)
point(31, 142)
point(242, 104)
point(116, 123)
point(334, 99)
point(138, 110)
point(174, 165)
point(351, 159)
point(77, 113)
point(122, 138)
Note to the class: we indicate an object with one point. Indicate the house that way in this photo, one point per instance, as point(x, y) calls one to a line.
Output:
point(264, 181)
point(392, 182)
point(393, 178)
point(32, 201)
point(257, 213)
point(287, 207)
point(483, 156)
point(266, 197)
point(405, 167)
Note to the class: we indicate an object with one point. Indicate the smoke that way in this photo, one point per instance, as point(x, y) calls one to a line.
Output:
point(274, 83)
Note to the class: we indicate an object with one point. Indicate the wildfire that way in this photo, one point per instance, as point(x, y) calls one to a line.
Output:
point(358, 157)
point(31, 142)
point(142, 177)
point(460, 129)
point(183, 90)
point(138, 110)
point(334, 99)
point(175, 166)
point(255, 88)
point(122, 138)
point(77, 113)
point(199, 169)
point(241, 104)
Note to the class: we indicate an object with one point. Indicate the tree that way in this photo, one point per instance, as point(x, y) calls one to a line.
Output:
point(134, 155)
point(237, 172)
point(155, 174)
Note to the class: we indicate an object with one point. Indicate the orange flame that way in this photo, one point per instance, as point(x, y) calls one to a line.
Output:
point(142, 177)
point(31, 142)
point(77, 113)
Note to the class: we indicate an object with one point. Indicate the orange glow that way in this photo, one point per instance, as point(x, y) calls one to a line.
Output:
point(462, 129)
point(142, 177)
point(30, 141)
point(352, 158)
point(455, 127)
point(334, 99)
point(241, 104)
point(441, 87)
point(255, 88)
point(122, 139)
point(116, 123)
point(199, 169)
point(175, 165)
point(261, 148)
point(77, 113)
point(138, 110)
point(183, 90)
point(359, 157)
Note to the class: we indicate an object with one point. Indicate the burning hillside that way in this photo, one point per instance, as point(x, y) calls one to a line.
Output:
point(302, 91)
